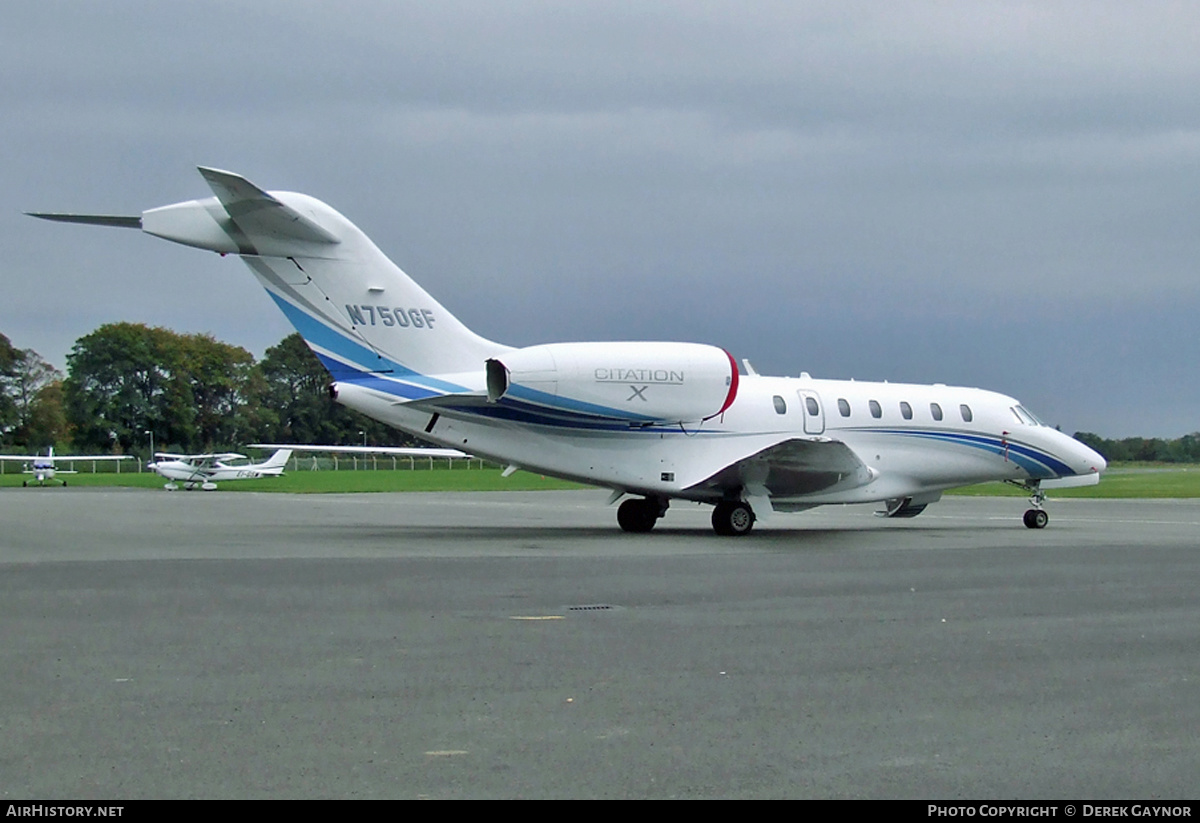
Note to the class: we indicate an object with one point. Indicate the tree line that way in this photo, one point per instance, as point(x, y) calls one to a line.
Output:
point(193, 393)
point(1184, 449)
point(197, 394)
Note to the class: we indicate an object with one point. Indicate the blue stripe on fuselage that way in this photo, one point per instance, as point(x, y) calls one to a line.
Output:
point(348, 374)
point(354, 355)
point(1038, 463)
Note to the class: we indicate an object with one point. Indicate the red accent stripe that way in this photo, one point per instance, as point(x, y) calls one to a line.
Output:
point(733, 384)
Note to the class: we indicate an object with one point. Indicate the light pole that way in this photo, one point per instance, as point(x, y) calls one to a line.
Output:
point(151, 433)
point(364, 435)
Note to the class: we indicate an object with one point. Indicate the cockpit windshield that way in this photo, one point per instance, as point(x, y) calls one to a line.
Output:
point(1026, 416)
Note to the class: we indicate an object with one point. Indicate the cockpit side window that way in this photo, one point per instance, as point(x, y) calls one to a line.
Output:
point(1025, 416)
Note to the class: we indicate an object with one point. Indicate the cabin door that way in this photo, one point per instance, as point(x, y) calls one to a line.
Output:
point(813, 411)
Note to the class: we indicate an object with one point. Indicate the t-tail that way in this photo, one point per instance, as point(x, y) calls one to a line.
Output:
point(366, 320)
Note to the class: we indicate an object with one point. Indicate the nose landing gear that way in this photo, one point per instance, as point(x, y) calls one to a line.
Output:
point(1035, 517)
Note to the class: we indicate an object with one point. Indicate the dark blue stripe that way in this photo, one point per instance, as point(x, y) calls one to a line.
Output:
point(1038, 463)
point(348, 374)
point(355, 355)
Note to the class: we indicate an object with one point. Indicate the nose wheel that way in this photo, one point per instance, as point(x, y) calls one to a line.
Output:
point(1036, 517)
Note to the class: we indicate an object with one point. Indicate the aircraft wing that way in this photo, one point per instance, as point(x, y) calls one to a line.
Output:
point(201, 462)
point(793, 467)
point(29, 458)
point(400, 451)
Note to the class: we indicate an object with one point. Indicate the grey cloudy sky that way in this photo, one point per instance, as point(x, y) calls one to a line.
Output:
point(1002, 195)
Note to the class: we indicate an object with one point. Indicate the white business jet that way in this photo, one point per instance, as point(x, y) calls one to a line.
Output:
point(42, 466)
point(659, 421)
point(204, 471)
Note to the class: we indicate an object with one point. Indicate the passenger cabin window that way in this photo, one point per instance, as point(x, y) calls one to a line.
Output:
point(936, 411)
point(780, 405)
point(811, 404)
point(905, 410)
point(876, 409)
point(965, 411)
point(844, 407)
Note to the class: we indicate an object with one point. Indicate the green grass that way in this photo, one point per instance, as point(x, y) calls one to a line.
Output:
point(1120, 481)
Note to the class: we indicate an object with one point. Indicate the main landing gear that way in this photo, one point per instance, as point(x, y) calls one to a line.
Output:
point(730, 518)
point(640, 515)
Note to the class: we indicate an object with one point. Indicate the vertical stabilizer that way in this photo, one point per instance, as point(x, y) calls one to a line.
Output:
point(364, 318)
point(278, 460)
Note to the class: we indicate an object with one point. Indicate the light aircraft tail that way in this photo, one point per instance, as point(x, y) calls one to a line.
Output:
point(278, 460)
point(365, 319)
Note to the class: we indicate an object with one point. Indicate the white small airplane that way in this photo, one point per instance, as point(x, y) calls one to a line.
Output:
point(42, 466)
point(661, 421)
point(204, 471)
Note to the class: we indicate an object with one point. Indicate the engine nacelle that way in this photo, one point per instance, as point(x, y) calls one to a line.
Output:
point(636, 383)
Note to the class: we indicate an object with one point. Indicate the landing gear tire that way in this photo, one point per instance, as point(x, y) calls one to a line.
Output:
point(1035, 517)
point(638, 516)
point(733, 519)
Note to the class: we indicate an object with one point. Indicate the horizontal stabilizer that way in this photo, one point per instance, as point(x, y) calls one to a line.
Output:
point(120, 221)
point(257, 212)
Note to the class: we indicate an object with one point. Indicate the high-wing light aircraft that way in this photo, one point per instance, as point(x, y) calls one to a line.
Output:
point(660, 421)
point(42, 466)
point(204, 471)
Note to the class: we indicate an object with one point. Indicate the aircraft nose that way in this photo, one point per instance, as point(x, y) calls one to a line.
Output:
point(1091, 460)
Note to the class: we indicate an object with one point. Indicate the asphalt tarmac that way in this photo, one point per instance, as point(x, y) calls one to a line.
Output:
point(518, 645)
